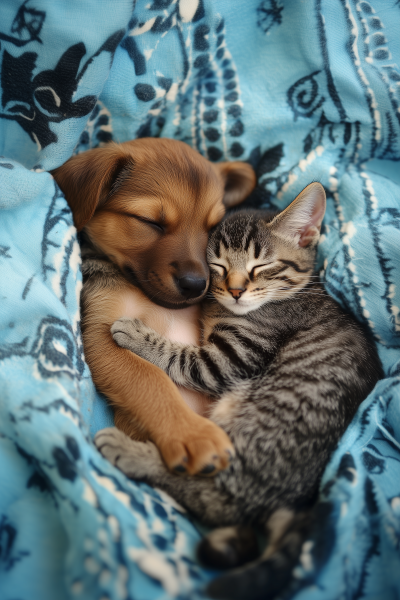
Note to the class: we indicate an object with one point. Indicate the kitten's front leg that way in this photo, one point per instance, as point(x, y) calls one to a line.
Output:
point(137, 337)
point(205, 369)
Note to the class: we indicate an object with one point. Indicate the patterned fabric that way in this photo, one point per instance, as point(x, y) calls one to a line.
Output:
point(304, 91)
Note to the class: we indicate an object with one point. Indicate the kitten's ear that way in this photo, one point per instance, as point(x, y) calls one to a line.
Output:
point(300, 222)
point(88, 179)
point(239, 180)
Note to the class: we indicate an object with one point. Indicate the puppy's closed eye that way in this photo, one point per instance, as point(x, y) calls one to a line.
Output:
point(154, 224)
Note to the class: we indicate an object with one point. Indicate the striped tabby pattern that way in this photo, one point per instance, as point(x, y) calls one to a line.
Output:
point(288, 369)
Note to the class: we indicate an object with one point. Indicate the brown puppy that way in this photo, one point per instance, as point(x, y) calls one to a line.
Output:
point(146, 208)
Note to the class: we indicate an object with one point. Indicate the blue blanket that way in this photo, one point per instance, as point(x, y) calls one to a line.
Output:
point(304, 91)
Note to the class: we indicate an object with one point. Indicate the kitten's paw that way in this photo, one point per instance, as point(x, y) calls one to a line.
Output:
point(197, 447)
point(137, 460)
point(133, 335)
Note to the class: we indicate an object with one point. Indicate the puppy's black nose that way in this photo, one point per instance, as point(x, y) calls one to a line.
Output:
point(191, 286)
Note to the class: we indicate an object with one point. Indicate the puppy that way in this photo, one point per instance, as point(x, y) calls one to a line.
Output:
point(145, 208)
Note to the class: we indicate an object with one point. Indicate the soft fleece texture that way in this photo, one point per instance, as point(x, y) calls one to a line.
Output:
point(304, 91)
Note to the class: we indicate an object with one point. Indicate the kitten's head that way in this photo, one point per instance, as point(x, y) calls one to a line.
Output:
point(258, 256)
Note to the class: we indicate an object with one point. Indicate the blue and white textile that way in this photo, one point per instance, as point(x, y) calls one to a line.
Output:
point(304, 91)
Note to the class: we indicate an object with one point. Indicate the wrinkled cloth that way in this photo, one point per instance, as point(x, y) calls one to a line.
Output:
point(304, 91)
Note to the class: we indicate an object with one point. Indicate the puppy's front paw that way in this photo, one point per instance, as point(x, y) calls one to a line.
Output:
point(132, 334)
point(137, 460)
point(199, 447)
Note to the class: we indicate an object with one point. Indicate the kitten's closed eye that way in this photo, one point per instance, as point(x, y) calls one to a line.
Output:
point(219, 268)
point(257, 269)
point(252, 269)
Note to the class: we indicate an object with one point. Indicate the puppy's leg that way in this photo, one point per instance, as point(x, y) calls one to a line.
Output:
point(124, 421)
point(146, 395)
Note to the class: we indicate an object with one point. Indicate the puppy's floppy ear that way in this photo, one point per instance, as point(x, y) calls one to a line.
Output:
point(239, 179)
point(89, 179)
point(300, 222)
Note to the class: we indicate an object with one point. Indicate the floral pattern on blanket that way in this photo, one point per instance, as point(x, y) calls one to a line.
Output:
point(303, 91)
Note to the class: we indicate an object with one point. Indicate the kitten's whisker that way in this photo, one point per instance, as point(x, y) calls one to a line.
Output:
point(309, 294)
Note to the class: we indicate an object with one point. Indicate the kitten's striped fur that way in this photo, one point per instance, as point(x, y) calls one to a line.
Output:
point(288, 368)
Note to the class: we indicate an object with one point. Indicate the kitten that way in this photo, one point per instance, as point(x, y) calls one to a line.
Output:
point(288, 369)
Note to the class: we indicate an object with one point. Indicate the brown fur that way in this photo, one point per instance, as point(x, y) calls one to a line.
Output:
point(147, 207)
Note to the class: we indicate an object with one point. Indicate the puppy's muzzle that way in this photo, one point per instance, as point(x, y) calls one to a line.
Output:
point(190, 286)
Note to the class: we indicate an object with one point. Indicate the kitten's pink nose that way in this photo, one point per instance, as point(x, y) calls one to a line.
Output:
point(236, 293)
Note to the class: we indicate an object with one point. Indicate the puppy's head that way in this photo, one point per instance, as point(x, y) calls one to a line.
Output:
point(149, 205)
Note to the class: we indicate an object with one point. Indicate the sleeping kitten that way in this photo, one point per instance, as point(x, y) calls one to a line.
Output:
point(288, 369)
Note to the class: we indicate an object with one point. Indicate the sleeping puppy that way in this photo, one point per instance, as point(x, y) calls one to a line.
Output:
point(145, 208)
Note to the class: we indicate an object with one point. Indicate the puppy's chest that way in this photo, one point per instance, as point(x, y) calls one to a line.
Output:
point(181, 325)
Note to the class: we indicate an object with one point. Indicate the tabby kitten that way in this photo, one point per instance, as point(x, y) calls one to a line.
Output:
point(288, 369)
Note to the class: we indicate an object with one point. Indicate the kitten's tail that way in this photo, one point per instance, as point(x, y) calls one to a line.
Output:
point(228, 547)
point(267, 576)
